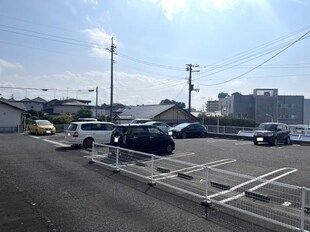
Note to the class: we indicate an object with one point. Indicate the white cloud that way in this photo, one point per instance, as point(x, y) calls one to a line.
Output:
point(7, 66)
point(129, 89)
point(218, 5)
point(101, 40)
point(170, 8)
point(92, 2)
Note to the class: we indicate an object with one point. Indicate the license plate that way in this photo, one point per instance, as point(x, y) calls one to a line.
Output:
point(48, 132)
point(260, 139)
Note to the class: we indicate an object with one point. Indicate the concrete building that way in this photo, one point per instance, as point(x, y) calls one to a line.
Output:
point(307, 112)
point(291, 109)
point(265, 105)
point(212, 106)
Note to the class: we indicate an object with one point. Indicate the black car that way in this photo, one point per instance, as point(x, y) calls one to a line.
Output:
point(189, 130)
point(145, 138)
point(272, 133)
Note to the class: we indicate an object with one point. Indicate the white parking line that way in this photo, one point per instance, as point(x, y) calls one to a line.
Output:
point(57, 143)
point(35, 137)
point(259, 186)
point(243, 143)
point(200, 167)
point(247, 182)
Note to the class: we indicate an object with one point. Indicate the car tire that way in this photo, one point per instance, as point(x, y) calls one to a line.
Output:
point(37, 133)
point(183, 135)
point(275, 142)
point(88, 143)
point(288, 141)
point(169, 149)
point(202, 135)
point(255, 142)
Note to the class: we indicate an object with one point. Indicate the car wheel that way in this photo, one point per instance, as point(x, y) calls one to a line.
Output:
point(88, 143)
point(37, 133)
point(203, 135)
point(275, 142)
point(255, 142)
point(183, 135)
point(288, 141)
point(169, 148)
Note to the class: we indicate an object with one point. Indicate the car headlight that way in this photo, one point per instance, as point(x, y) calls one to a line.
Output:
point(270, 134)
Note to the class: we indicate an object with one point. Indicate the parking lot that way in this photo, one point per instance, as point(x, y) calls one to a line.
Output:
point(237, 156)
point(284, 163)
point(242, 170)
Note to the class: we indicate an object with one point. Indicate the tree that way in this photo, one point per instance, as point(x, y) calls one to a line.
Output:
point(64, 118)
point(227, 121)
point(83, 113)
point(172, 102)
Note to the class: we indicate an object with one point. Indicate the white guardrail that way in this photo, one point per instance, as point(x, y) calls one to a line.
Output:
point(261, 197)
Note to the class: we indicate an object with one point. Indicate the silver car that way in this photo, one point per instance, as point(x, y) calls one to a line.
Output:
point(85, 133)
point(161, 125)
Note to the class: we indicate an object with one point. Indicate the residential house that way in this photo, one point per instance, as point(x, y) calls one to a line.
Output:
point(36, 104)
point(170, 114)
point(11, 116)
point(72, 106)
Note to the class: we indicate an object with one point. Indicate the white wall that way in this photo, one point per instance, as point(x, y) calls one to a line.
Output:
point(9, 116)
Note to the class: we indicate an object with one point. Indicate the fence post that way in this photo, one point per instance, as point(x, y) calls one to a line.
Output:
point(207, 203)
point(302, 212)
point(92, 154)
point(116, 170)
point(152, 182)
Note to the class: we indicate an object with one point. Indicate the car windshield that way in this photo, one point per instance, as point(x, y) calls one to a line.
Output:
point(268, 127)
point(44, 123)
point(183, 125)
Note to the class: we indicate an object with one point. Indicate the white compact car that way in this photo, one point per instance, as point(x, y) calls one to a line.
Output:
point(85, 133)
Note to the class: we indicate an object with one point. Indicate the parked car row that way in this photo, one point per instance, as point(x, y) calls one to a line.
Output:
point(153, 136)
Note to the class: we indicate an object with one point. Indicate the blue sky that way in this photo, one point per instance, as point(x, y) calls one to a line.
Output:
point(61, 46)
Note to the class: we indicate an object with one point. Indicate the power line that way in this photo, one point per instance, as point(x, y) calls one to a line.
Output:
point(50, 35)
point(241, 55)
point(257, 66)
point(249, 55)
point(150, 63)
point(261, 54)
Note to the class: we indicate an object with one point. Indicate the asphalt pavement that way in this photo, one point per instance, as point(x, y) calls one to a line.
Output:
point(49, 187)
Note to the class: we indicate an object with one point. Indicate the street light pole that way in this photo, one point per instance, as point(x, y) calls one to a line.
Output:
point(96, 108)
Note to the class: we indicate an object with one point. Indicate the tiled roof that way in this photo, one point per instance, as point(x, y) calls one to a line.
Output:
point(146, 111)
point(17, 105)
point(39, 99)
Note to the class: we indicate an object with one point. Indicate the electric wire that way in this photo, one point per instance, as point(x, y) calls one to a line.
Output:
point(257, 66)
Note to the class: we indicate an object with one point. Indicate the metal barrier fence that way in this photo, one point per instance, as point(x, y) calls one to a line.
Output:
point(227, 129)
point(261, 197)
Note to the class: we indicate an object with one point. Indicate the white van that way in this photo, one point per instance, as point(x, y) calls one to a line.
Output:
point(85, 133)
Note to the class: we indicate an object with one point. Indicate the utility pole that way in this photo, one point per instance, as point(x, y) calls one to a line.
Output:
point(97, 102)
point(112, 50)
point(190, 86)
